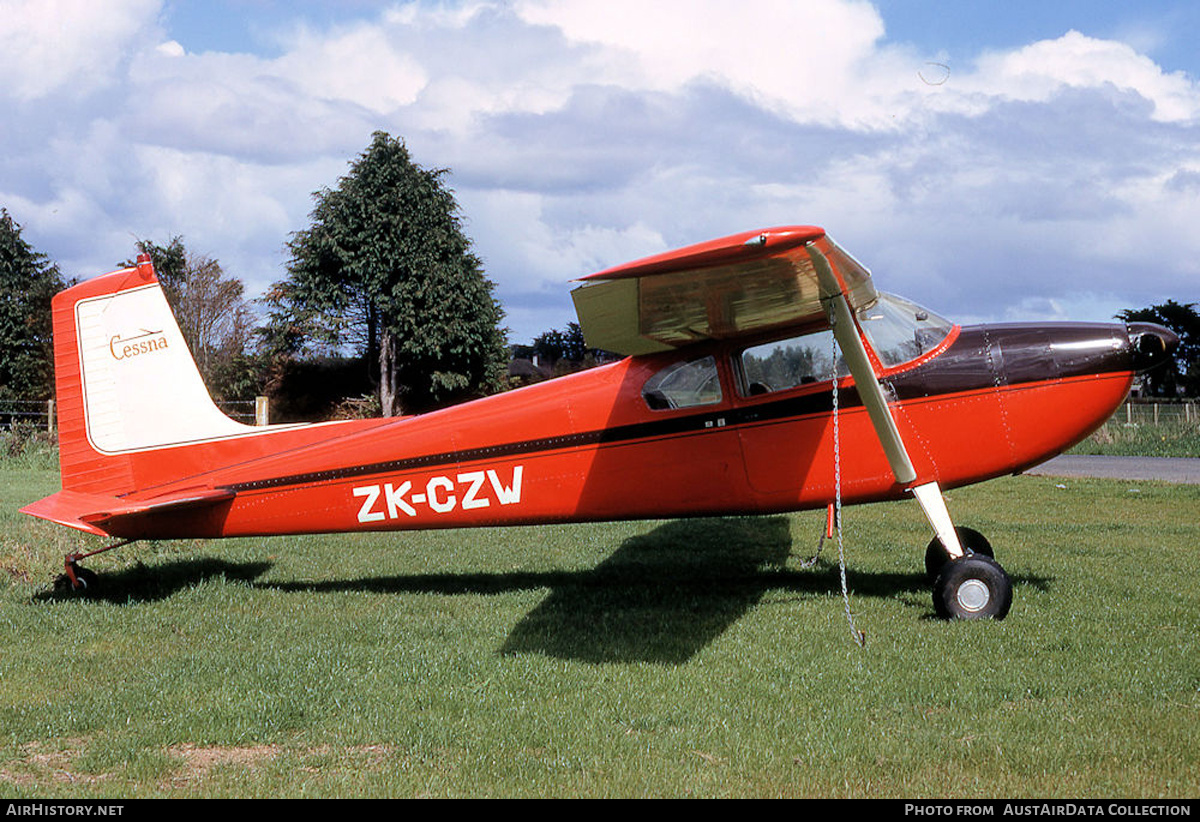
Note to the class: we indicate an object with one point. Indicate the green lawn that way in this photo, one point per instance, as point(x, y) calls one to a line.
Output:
point(682, 658)
point(1144, 430)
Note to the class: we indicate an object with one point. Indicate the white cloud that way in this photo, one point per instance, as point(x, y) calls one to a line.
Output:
point(549, 254)
point(814, 60)
point(1041, 70)
point(359, 66)
point(1063, 175)
point(71, 46)
point(171, 48)
point(243, 106)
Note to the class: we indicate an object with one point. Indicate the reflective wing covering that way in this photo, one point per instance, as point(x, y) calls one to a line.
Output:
point(726, 288)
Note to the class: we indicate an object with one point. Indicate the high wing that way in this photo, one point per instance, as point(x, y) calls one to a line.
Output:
point(741, 285)
point(722, 289)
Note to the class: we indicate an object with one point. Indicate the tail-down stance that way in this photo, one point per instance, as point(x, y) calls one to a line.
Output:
point(723, 406)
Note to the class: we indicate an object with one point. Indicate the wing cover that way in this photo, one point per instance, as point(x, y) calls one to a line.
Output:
point(731, 287)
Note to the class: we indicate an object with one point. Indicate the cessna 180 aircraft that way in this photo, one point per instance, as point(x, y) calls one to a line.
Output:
point(726, 403)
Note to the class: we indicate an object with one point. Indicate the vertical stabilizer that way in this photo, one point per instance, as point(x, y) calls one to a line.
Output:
point(125, 379)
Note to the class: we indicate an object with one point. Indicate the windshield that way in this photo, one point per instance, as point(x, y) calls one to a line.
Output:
point(900, 330)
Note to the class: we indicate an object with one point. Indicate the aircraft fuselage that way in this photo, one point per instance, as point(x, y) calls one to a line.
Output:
point(990, 400)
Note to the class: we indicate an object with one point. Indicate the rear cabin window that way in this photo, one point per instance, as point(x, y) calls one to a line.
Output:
point(783, 364)
point(684, 385)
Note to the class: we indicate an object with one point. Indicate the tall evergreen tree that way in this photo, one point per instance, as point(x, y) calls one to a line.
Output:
point(386, 268)
point(28, 281)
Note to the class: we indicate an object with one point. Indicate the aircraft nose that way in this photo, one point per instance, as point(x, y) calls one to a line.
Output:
point(1150, 345)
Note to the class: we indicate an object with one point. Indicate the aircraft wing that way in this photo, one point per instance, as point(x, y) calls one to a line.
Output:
point(726, 288)
point(737, 286)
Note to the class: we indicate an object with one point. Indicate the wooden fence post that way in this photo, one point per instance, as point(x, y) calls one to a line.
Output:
point(262, 411)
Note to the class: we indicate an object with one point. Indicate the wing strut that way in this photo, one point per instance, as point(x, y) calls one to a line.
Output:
point(845, 331)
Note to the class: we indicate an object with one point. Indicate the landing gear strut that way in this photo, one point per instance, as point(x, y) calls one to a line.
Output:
point(936, 555)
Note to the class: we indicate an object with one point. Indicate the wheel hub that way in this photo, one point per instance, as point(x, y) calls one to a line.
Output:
point(973, 596)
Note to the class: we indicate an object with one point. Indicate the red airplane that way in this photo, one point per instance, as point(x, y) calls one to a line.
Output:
point(733, 399)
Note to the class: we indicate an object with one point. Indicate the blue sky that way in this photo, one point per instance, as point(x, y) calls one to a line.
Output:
point(1015, 161)
point(1162, 30)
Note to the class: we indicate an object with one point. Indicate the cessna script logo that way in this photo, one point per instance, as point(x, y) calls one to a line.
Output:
point(467, 491)
point(124, 348)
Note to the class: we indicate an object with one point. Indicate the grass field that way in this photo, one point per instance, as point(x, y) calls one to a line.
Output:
point(683, 658)
point(1147, 430)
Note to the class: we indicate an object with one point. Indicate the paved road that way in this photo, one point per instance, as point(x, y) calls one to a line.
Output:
point(1167, 469)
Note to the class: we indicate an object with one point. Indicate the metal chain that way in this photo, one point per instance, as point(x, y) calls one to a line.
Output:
point(859, 637)
point(811, 561)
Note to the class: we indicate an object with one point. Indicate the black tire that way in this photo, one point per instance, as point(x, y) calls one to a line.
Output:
point(85, 580)
point(972, 542)
point(973, 587)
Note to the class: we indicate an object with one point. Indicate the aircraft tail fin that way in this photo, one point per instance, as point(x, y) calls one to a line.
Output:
point(126, 382)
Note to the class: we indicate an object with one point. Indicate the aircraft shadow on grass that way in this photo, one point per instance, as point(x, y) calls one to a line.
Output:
point(152, 583)
point(661, 597)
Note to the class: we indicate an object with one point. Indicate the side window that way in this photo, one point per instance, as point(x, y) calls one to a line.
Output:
point(783, 364)
point(683, 385)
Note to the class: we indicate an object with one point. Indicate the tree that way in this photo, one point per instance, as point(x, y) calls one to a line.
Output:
point(213, 315)
point(1181, 376)
point(28, 281)
point(386, 270)
point(554, 345)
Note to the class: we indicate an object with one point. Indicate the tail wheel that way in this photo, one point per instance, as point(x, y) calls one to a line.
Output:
point(972, 542)
point(85, 579)
point(972, 587)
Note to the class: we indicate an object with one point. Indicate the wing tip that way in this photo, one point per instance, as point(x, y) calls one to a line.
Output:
point(738, 247)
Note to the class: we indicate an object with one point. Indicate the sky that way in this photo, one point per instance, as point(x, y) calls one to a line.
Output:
point(993, 161)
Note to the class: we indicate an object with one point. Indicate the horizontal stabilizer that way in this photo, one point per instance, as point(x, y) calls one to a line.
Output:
point(105, 516)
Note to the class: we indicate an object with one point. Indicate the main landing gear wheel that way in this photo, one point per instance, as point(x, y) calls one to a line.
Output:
point(972, 542)
point(972, 587)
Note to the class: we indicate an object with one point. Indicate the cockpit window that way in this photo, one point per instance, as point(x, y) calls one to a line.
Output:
point(899, 330)
point(782, 364)
point(684, 385)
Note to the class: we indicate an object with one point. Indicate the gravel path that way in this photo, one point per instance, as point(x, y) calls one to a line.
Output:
point(1167, 469)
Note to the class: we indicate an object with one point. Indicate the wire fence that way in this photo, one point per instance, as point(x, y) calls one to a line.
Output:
point(241, 410)
point(28, 413)
point(40, 415)
point(1157, 412)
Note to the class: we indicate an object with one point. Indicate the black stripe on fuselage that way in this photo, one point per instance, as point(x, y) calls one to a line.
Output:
point(820, 402)
point(963, 367)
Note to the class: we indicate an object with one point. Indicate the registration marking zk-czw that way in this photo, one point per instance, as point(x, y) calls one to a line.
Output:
point(468, 490)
